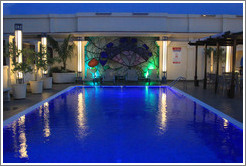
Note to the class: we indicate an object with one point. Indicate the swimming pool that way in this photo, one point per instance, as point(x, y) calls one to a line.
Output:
point(121, 125)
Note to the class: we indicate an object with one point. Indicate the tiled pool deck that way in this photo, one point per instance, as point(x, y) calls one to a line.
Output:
point(231, 107)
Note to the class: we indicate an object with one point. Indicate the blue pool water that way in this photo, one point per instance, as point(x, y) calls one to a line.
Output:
point(128, 125)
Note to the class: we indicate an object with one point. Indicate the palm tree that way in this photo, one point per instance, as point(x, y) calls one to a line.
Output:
point(64, 50)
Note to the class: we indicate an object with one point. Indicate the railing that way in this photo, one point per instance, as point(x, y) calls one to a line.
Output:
point(178, 79)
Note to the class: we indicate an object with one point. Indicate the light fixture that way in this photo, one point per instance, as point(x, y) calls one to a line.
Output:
point(164, 60)
point(44, 48)
point(18, 43)
point(228, 59)
point(79, 39)
point(212, 62)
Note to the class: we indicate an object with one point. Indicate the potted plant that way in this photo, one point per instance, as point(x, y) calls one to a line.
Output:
point(19, 69)
point(47, 62)
point(35, 59)
point(65, 51)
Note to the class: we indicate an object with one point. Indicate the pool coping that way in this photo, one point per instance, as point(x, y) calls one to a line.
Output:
point(210, 108)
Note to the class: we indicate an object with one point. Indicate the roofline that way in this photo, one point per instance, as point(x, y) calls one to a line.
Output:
point(135, 14)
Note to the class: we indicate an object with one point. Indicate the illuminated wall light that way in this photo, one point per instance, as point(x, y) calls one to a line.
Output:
point(212, 62)
point(18, 43)
point(79, 39)
point(44, 48)
point(228, 59)
point(164, 60)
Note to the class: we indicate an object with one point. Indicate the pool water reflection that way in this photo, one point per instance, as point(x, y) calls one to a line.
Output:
point(122, 124)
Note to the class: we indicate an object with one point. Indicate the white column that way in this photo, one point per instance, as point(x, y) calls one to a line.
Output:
point(160, 44)
point(18, 43)
point(44, 47)
point(162, 56)
point(83, 43)
point(212, 62)
point(228, 58)
point(37, 49)
point(79, 46)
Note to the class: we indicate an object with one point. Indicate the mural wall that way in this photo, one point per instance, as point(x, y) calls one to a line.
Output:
point(121, 54)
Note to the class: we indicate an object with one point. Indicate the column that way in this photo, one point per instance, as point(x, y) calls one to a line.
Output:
point(228, 59)
point(81, 43)
point(212, 62)
point(160, 44)
point(196, 82)
point(162, 56)
point(18, 43)
point(39, 73)
point(232, 89)
point(44, 49)
point(217, 67)
point(205, 68)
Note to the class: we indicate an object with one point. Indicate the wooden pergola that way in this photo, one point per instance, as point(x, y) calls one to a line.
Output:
point(221, 39)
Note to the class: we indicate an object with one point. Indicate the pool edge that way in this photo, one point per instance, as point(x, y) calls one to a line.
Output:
point(33, 107)
point(210, 108)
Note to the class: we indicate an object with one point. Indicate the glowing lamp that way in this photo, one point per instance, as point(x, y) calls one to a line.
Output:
point(44, 47)
point(18, 43)
point(228, 59)
point(164, 60)
point(79, 39)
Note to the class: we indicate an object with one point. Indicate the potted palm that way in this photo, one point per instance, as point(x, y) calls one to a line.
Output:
point(35, 59)
point(65, 51)
point(40, 61)
point(19, 69)
point(47, 62)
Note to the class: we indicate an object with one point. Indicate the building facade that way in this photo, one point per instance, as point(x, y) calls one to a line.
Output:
point(130, 40)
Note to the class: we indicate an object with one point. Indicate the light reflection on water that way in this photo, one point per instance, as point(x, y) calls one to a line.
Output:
point(162, 109)
point(46, 120)
point(22, 137)
point(226, 123)
point(81, 118)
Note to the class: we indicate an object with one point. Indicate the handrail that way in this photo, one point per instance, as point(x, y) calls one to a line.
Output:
point(178, 79)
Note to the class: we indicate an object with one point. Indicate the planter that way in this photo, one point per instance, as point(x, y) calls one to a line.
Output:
point(64, 77)
point(36, 86)
point(5, 76)
point(47, 82)
point(19, 91)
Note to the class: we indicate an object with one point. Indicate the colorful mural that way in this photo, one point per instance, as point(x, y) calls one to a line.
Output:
point(120, 54)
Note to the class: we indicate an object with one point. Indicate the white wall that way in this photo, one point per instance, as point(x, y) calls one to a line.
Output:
point(123, 22)
point(187, 66)
point(179, 28)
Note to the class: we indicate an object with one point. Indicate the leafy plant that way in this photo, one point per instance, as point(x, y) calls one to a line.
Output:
point(38, 60)
point(222, 54)
point(64, 50)
point(19, 68)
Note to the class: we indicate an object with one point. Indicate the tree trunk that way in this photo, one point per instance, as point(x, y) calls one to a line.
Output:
point(64, 65)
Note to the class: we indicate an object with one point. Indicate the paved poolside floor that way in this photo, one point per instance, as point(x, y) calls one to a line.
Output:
point(231, 107)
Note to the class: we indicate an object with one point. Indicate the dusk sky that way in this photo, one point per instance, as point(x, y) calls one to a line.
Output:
point(172, 8)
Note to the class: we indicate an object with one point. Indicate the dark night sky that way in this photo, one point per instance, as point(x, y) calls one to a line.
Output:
point(172, 8)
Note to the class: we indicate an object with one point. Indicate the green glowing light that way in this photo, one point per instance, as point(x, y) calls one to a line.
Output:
point(149, 67)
